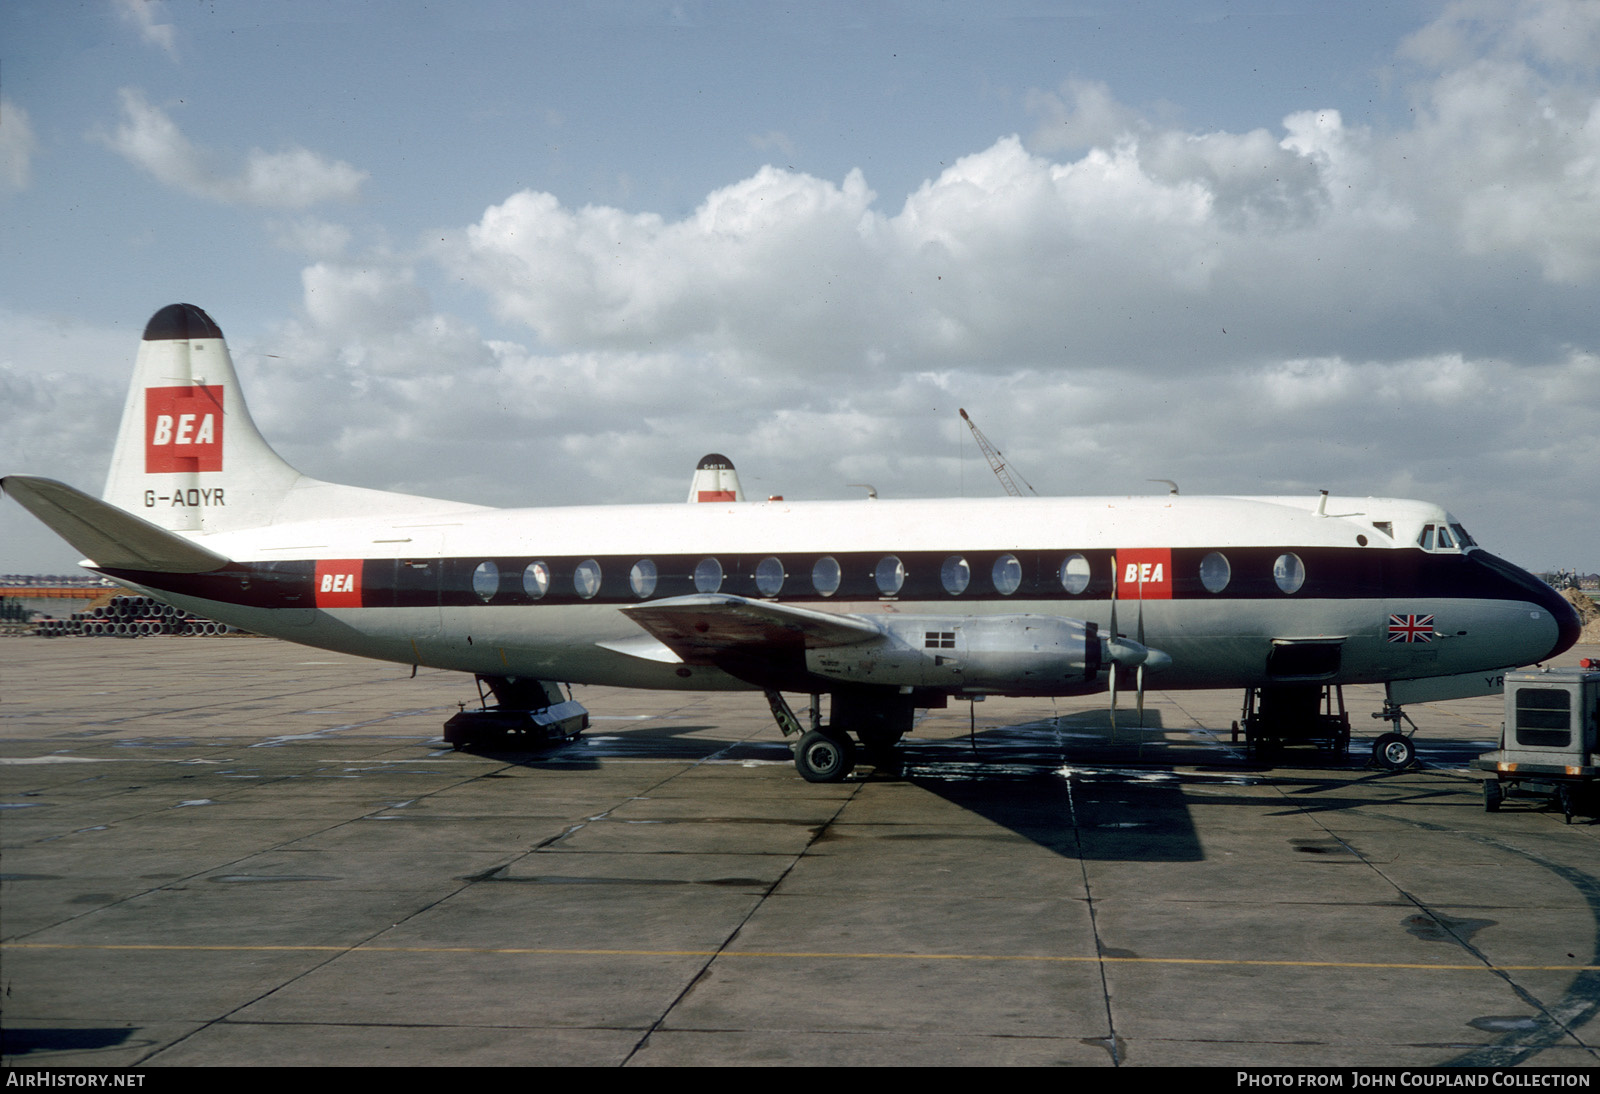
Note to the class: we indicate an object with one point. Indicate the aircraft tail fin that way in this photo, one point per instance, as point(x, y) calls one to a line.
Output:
point(715, 480)
point(111, 537)
point(188, 457)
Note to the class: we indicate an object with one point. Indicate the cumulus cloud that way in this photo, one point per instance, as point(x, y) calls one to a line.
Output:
point(62, 385)
point(1562, 33)
point(309, 236)
point(17, 146)
point(292, 179)
point(1309, 305)
point(1145, 246)
point(771, 250)
point(1081, 114)
point(145, 15)
point(1514, 162)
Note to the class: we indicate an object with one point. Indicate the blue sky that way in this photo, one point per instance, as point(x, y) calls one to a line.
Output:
point(552, 253)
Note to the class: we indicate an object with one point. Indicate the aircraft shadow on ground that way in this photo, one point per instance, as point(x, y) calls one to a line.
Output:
point(20, 1041)
point(1066, 784)
point(1073, 785)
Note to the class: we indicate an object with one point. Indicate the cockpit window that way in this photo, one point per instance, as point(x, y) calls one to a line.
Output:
point(1443, 537)
point(1384, 526)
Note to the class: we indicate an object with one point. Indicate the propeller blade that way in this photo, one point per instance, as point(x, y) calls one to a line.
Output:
point(1138, 673)
point(1113, 702)
point(1111, 648)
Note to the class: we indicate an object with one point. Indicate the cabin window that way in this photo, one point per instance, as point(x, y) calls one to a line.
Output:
point(536, 580)
point(1214, 572)
point(486, 581)
point(1007, 575)
point(586, 578)
point(708, 575)
point(1289, 572)
point(769, 577)
point(1075, 574)
point(643, 578)
point(890, 575)
point(825, 575)
point(955, 575)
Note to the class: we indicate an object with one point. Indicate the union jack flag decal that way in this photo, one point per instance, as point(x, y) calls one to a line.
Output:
point(1411, 628)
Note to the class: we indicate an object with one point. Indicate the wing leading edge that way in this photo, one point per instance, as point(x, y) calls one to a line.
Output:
point(705, 628)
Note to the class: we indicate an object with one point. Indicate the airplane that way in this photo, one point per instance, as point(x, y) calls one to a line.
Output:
point(883, 606)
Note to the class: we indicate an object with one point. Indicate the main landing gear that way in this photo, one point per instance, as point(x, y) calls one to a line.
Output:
point(823, 759)
point(825, 753)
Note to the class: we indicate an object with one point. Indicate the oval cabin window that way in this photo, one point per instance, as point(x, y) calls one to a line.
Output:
point(586, 578)
point(1007, 575)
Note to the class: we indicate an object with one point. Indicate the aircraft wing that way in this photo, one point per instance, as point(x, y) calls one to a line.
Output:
point(704, 628)
point(110, 537)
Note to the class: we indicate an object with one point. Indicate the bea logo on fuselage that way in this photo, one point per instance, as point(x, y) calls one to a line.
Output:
point(183, 428)
point(1145, 573)
point(338, 583)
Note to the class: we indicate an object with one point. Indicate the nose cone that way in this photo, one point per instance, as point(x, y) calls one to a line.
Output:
point(1530, 588)
point(1571, 626)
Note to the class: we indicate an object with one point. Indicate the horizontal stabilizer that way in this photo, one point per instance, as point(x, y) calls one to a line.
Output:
point(110, 537)
point(700, 627)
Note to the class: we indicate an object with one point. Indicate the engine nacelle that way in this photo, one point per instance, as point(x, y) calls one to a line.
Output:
point(1003, 654)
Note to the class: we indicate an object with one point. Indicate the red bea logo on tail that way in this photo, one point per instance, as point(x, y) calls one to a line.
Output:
point(183, 428)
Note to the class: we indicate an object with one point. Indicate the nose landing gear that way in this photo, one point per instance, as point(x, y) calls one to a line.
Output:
point(1394, 750)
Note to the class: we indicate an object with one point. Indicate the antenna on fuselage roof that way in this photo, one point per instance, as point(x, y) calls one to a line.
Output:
point(1169, 482)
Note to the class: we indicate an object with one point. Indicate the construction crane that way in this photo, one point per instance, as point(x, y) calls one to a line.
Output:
point(997, 462)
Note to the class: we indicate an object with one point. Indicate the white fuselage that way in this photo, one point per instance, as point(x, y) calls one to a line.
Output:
point(1359, 570)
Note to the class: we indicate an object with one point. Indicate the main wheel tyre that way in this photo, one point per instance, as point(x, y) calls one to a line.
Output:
point(1493, 795)
point(823, 759)
point(1394, 751)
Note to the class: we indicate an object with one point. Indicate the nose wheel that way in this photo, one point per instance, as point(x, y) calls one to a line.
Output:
point(1394, 751)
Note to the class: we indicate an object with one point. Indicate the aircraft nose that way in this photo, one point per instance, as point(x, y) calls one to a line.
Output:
point(1530, 588)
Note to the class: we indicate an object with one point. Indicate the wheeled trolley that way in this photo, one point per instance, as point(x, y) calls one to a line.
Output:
point(1550, 742)
point(1278, 716)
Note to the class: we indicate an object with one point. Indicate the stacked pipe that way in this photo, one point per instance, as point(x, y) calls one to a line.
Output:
point(130, 617)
